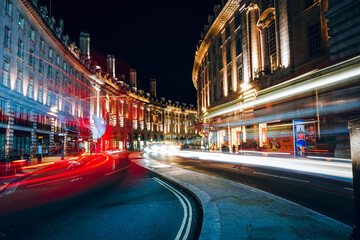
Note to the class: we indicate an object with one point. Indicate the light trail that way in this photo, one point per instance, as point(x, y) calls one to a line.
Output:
point(329, 169)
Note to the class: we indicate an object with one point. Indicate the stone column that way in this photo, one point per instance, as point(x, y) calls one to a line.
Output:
point(354, 129)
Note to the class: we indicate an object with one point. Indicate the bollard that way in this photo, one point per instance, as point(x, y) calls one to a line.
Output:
point(354, 129)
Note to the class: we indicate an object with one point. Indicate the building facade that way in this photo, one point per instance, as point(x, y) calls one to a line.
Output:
point(53, 94)
point(258, 70)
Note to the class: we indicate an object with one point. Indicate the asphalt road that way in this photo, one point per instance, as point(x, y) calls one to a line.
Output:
point(135, 204)
point(329, 196)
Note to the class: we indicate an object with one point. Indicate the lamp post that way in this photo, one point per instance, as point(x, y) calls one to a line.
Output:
point(354, 129)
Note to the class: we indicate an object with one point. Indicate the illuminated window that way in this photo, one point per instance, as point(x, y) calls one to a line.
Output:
point(314, 39)
point(6, 73)
point(50, 53)
point(7, 37)
point(272, 45)
point(30, 93)
point(20, 52)
point(40, 94)
point(21, 22)
point(19, 81)
point(48, 98)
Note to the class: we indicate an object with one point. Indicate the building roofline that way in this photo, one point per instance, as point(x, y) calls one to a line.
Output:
point(218, 24)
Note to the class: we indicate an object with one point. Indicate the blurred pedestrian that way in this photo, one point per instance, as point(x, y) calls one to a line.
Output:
point(62, 151)
point(39, 153)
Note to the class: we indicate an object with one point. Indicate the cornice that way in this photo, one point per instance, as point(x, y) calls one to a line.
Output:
point(219, 23)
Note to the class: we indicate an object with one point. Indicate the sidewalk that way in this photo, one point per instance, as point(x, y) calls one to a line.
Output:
point(236, 211)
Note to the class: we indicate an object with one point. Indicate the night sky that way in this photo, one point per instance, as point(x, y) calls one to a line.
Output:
point(157, 38)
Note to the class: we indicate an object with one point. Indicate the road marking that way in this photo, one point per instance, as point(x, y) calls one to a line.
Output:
point(350, 189)
point(187, 216)
point(271, 175)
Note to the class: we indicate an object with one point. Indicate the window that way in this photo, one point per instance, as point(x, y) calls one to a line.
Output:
point(238, 46)
point(8, 8)
point(221, 87)
point(49, 75)
point(41, 66)
point(32, 34)
point(64, 66)
point(309, 3)
point(7, 38)
point(237, 21)
point(229, 79)
point(314, 39)
point(31, 88)
point(40, 94)
point(42, 45)
point(228, 54)
point(21, 22)
point(272, 45)
point(57, 78)
point(19, 81)
point(31, 58)
point(57, 60)
point(57, 101)
point(6, 73)
point(215, 92)
point(239, 73)
point(227, 32)
point(20, 52)
point(48, 98)
point(50, 53)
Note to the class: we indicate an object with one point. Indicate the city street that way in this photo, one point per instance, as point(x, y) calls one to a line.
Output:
point(329, 195)
point(133, 204)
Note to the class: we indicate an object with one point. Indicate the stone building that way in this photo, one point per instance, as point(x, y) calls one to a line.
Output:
point(48, 91)
point(258, 69)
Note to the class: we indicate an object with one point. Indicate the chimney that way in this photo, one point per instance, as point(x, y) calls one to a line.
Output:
point(133, 81)
point(153, 86)
point(111, 65)
point(61, 24)
point(85, 45)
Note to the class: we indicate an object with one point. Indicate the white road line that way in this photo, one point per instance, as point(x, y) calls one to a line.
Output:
point(187, 216)
point(350, 189)
point(271, 175)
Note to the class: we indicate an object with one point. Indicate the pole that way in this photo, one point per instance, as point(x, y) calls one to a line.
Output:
point(354, 129)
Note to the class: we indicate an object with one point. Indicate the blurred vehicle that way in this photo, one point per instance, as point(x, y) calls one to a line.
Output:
point(225, 148)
